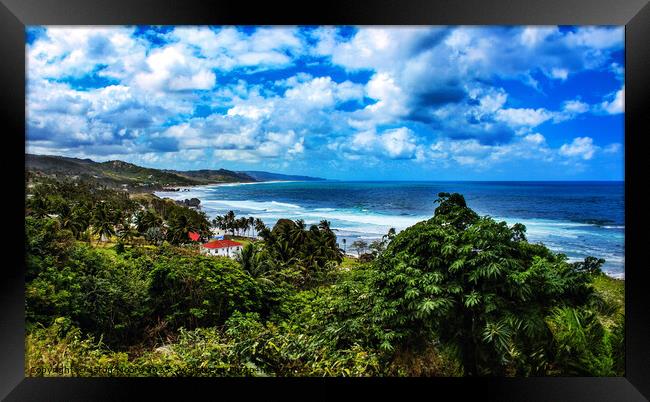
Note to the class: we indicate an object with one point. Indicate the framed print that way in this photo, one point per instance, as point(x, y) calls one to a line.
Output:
point(377, 195)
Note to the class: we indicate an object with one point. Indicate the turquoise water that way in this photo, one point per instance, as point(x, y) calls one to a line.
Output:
point(575, 218)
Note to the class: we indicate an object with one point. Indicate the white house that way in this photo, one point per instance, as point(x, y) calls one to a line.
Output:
point(218, 233)
point(224, 248)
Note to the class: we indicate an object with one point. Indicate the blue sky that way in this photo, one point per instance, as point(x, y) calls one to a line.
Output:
point(360, 103)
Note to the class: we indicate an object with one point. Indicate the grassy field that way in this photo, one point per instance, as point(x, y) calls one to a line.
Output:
point(613, 292)
point(349, 263)
point(243, 240)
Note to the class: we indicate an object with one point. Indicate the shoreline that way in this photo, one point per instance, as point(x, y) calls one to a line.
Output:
point(366, 235)
point(223, 184)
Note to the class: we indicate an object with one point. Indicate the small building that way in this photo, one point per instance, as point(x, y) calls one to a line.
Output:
point(224, 248)
point(217, 234)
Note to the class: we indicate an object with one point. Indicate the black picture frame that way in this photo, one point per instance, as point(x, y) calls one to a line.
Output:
point(634, 14)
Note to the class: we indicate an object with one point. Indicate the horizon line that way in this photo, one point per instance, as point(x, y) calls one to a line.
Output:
point(349, 180)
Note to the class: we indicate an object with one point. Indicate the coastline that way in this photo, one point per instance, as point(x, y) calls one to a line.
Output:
point(353, 225)
point(222, 184)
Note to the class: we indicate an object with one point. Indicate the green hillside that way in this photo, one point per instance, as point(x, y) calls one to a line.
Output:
point(119, 174)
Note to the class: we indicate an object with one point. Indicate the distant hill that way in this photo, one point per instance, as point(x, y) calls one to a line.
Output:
point(221, 175)
point(266, 176)
point(119, 174)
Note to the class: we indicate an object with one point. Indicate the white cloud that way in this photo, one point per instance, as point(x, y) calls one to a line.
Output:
point(575, 106)
point(287, 145)
point(229, 48)
point(532, 36)
point(250, 111)
point(581, 147)
point(175, 68)
point(364, 141)
point(616, 104)
point(318, 93)
point(596, 37)
point(493, 101)
point(560, 73)
point(390, 103)
point(399, 143)
point(474, 154)
point(618, 70)
point(77, 51)
point(523, 117)
point(612, 148)
point(236, 155)
point(192, 93)
point(390, 97)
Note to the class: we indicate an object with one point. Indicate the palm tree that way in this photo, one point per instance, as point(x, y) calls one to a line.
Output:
point(242, 224)
point(140, 221)
point(230, 221)
point(219, 222)
point(298, 233)
point(324, 225)
point(254, 263)
point(179, 226)
point(126, 232)
point(102, 221)
point(146, 220)
point(259, 226)
point(68, 220)
point(83, 216)
point(283, 251)
point(39, 206)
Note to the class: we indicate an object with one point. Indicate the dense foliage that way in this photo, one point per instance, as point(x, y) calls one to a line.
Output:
point(90, 211)
point(478, 286)
point(112, 289)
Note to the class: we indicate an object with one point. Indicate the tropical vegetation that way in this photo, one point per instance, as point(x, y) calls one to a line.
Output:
point(115, 287)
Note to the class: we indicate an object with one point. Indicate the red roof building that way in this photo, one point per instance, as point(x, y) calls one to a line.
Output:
point(224, 248)
point(221, 244)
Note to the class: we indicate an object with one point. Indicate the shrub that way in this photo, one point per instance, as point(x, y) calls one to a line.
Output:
point(192, 291)
point(60, 350)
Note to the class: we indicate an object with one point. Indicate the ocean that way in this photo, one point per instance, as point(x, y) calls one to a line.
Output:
point(578, 219)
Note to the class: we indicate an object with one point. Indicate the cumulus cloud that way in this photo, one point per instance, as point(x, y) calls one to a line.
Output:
point(75, 52)
point(431, 95)
point(472, 153)
point(398, 143)
point(581, 147)
point(174, 68)
point(523, 117)
point(575, 106)
point(229, 48)
point(615, 104)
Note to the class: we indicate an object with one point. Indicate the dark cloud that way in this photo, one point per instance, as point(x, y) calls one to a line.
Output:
point(428, 41)
point(162, 144)
point(438, 96)
point(484, 133)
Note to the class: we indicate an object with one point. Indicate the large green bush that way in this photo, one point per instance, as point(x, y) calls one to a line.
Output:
point(192, 291)
point(477, 286)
